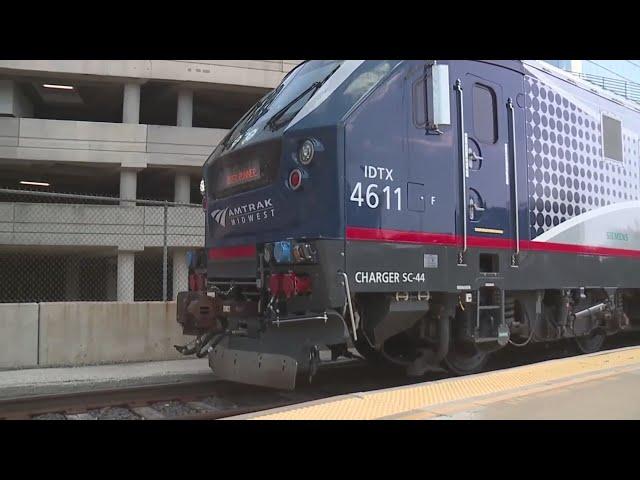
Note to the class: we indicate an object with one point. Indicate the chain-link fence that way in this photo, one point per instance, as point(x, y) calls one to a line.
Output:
point(66, 247)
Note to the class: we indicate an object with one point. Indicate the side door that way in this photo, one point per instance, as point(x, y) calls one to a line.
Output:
point(487, 97)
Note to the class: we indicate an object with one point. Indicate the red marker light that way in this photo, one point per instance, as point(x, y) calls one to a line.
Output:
point(289, 285)
point(295, 179)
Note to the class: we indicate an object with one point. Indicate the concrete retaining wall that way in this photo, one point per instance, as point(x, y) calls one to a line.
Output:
point(18, 335)
point(89, 333)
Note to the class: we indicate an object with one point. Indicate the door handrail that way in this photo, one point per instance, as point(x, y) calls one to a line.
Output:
point(463, 166)
point(514, 182)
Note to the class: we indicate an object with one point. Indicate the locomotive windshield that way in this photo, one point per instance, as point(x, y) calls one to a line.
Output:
point(249, 156)
point(276, 109)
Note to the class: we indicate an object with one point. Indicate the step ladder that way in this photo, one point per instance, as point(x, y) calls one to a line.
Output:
point(490, 324)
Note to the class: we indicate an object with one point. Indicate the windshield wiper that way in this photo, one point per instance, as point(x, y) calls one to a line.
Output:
point(271, 123)
point(262, 108)
point(314, 86)
point(252, 116)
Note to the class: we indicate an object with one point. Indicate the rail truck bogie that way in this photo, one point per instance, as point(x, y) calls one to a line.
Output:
point(427, 213)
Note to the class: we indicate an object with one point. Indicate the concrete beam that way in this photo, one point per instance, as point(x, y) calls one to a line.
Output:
point(251, 74)
point(129, 145)
point(127, 229)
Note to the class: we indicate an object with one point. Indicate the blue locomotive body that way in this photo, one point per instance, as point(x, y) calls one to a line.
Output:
point(426, 212)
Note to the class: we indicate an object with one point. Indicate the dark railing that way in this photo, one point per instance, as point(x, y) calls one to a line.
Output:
point(626, 89)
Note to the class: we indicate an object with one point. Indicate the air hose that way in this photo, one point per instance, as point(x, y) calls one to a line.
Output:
point(530, 333)
point(211, 344)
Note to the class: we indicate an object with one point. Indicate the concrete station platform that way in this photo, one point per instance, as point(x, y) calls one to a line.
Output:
point(603, 385)
point(44, 381)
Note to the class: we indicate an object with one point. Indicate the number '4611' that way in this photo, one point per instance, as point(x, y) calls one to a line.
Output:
point(371, 197)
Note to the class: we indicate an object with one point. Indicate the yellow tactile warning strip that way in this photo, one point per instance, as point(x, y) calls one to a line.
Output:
point(396, 401)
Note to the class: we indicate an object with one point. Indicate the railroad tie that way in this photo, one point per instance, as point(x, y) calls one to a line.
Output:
point(80, 416)
point(201, 407)
point(148, 413)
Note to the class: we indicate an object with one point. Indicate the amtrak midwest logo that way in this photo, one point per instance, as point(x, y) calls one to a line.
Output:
point(247, 213)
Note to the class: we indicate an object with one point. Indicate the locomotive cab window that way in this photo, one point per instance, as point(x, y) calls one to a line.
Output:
point(611, 138)
point(485, 118)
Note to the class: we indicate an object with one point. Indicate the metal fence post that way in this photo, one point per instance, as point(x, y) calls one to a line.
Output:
point(165, 257)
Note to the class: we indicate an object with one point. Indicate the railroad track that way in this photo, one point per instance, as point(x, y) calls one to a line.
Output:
point(200, 400)
point(211, 400)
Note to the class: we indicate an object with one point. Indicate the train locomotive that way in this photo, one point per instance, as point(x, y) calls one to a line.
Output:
point(425, 212)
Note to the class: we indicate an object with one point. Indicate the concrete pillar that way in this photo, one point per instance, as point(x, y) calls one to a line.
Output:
point(126, 262)
point(180, 271)
point(128, 185)
point(72, 280)
point(185, 108)
point(182, 188)
point(131, 103)
point(112, 280)
point(12, 101)
point(182, 194)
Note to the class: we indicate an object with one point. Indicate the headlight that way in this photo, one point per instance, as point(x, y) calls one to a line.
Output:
point(298, 254)
point(282, 252)
point(305, 154)
point(202, 186)
point(290, 252)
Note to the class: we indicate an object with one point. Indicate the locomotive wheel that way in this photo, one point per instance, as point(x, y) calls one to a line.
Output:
point(367, 351)
point(371, 355)
point(465, 359)
point(593, 341)
point(396, 354)
point(590, 343)
point(369, 307)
